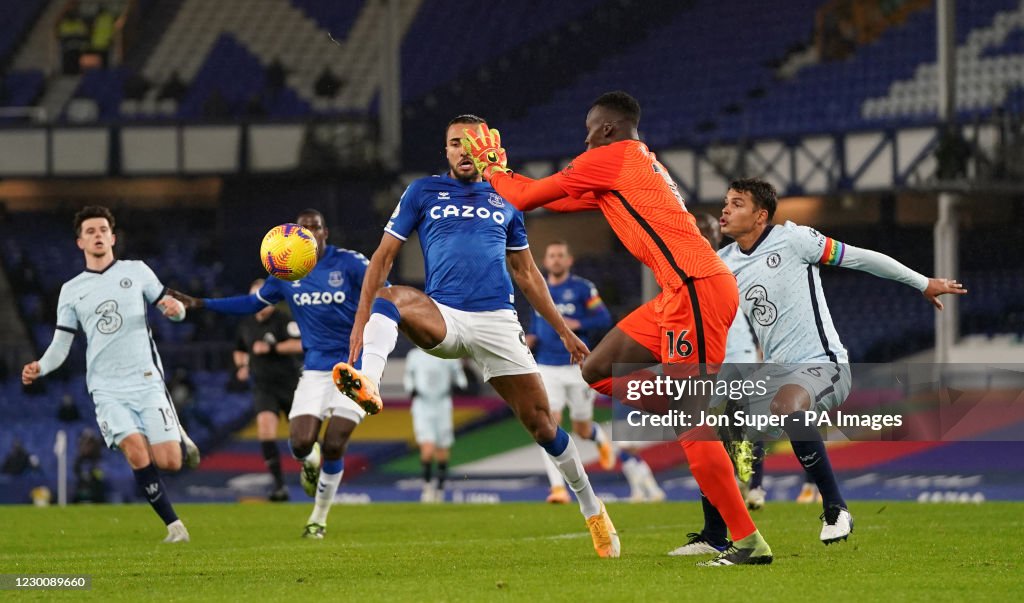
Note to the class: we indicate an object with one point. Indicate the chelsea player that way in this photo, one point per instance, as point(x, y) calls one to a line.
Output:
point(124, 374)
point(777, 272)
point(472, 239)
point(324, 305)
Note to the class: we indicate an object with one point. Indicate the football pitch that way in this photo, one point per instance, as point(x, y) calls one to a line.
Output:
point(515, 552)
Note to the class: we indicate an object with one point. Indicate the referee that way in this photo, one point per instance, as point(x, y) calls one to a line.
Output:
point(269, 349)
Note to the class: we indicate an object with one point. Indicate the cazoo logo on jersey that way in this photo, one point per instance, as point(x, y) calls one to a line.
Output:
point(466, 211)
point(318, 298)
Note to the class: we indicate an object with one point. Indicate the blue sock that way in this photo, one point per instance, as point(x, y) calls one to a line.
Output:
point(714, 526)
point(332, 467)
point(386, 308)
point(625, 456)
point(593, 432)
point(810, 451)
point(558, 445)
point(758, 477)
point(148, 480)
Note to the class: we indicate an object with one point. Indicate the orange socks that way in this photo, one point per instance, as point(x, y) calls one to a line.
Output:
point(711, 467)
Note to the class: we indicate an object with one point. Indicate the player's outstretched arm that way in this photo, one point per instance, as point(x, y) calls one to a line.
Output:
point(376, 275)
point(884, 266)
point(484, 147)
point(527, 194)
point(190, 303)
point(526, 274)
point(239, 304)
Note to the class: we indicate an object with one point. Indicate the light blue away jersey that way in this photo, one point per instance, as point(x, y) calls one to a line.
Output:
point(111, 308)
point(465, 230)
point(323, 304)
point(781, 294)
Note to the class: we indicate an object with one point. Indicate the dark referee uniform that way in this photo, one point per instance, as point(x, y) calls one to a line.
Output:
point(275, 376)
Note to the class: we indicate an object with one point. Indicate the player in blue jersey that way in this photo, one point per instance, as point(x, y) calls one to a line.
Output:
point(584, 312)
point(124, 374)
point(323, 304)
point(472, 239)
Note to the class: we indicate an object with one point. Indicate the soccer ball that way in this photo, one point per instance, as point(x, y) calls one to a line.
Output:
point(289, 252)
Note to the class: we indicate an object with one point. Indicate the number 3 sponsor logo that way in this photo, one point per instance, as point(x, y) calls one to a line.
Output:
point(110, 320)
point(764, 312)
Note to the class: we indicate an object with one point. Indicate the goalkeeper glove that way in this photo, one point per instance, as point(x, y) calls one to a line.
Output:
point(484, 147)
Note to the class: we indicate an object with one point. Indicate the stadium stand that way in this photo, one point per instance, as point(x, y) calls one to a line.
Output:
point(688, 97)
point(18, 19)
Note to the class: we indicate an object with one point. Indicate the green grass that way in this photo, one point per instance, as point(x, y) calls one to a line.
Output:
point(520, 552)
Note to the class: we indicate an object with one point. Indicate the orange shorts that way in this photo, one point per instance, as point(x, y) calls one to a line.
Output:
point(689, 324)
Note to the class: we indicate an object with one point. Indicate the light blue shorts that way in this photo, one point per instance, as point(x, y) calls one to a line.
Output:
point(148, 412)
point(432, 421)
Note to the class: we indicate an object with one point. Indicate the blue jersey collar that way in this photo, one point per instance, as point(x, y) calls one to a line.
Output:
point(448, 177)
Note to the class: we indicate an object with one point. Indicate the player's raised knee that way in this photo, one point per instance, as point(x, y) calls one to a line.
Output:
point(301, 447)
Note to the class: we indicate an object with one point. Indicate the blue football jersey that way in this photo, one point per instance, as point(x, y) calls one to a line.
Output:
point(575, 298)
point(323, 304)
point(465, 230)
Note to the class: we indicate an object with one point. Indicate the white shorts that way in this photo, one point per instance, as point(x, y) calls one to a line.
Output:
point(565, 385)
point(432, 421)
point(316, 395)
point(494, 339)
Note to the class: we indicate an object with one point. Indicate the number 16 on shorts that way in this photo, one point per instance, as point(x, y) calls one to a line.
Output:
point(677, 344)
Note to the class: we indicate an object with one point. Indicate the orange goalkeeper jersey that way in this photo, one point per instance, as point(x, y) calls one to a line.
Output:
point(637, 197)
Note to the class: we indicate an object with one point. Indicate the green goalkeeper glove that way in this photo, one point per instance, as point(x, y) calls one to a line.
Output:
point(484, 147)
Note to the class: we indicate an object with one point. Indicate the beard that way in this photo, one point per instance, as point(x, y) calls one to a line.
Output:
point(460, 175)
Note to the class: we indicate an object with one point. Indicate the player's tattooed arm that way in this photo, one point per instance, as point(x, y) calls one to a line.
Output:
point(526, 274)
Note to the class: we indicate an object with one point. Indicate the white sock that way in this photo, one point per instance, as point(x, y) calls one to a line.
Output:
point(600, 437)
point(554, 476)
point(326, 488)
point(379, 337)
point(571, 467)
point(634, 474)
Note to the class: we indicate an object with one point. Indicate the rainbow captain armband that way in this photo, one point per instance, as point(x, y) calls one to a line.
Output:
point(833, 252)
point(594, 302)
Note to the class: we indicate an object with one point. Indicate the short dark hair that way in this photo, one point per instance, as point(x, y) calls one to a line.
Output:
point(621, 102)
point(466, 118)
point(309, 211)
point(562, 242)
point(92, 211)
point(761, 191)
